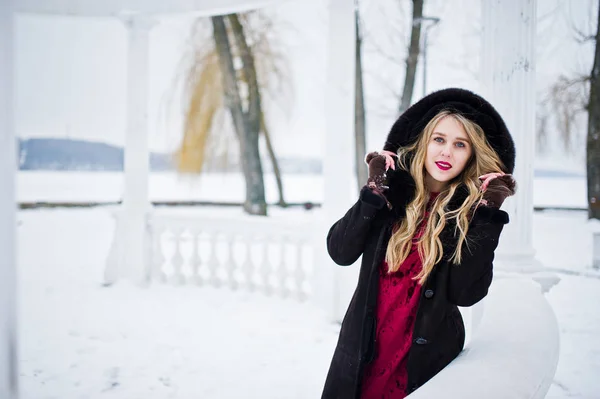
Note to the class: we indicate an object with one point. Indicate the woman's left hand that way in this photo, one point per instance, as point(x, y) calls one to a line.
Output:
point(496, 188)
point(487, 178)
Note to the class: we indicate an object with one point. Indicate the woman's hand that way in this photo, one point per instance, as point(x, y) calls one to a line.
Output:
point(389, 160)
point(377, 168)
point(496, 188)
point(378, 165)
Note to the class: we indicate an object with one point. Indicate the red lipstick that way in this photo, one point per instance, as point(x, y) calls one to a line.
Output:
point(443, 165)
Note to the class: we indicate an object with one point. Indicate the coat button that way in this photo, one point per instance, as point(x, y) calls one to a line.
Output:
point(429, 294)
point(421, 341)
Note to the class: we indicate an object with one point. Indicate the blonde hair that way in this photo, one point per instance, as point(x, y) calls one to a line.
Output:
point(483, 160)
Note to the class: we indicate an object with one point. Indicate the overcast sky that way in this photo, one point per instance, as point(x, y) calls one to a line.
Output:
point(71, 72)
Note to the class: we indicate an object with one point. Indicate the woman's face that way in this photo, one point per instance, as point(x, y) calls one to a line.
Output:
point(448, 152)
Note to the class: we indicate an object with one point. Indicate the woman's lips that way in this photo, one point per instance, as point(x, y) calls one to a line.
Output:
point(443, 165)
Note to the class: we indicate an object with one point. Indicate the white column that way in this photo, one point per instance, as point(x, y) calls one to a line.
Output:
point(8, 280)
point(130, 249)
point(338, 161)
point(508, 82)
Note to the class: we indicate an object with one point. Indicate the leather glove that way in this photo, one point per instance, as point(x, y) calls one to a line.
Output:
point(378, 165)
point(496, 188)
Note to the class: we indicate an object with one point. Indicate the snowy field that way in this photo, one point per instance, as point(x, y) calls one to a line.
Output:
point(79, 339)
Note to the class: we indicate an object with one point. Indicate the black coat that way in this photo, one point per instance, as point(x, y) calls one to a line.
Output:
point(438, 334)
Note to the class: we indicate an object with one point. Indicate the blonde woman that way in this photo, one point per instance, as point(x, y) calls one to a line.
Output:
point(426, 224)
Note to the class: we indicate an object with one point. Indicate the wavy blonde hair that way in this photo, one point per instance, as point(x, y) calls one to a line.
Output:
point(483, 160)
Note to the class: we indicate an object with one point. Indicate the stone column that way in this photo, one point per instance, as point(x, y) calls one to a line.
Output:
point(338, 159)
point(129, 254)
point(8, 209)
point(508, 82)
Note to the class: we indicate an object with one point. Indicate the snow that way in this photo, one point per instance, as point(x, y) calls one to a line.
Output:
point(229, 187)
point(78, 339)
point(167, 186)
point(575, 302)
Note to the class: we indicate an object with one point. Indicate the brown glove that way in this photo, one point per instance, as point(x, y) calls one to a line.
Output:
point(377, 171)
point(377, 174)
point(496, 188)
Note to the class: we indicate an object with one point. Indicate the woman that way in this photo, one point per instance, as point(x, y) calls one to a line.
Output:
point(443, 175)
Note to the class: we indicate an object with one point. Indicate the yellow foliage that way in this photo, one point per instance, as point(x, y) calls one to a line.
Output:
point(206, 99)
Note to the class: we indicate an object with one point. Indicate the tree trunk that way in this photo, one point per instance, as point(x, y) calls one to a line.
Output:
point(593, 137)
point(359, 110)
point(274, 161)
point(253, 178)
point(413, 57)
point(256, 204)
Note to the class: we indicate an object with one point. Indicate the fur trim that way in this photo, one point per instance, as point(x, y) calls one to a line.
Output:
point(494, 215)
point(412, 122)
point(402, 189)
point(369, 197)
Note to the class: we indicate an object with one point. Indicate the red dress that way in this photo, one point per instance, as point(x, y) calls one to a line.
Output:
point(397, 302)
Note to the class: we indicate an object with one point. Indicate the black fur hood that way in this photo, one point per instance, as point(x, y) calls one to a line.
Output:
point(412, 122)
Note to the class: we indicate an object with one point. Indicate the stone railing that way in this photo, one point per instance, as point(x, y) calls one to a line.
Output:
point(251, 253)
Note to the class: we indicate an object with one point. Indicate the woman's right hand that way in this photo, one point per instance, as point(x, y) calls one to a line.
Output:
point(377, 168)
point(378, 165)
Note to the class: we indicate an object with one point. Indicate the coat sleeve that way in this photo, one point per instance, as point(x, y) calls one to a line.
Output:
point(346, 238)
point(470, 280)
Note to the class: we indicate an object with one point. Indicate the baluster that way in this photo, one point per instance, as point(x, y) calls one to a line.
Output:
point(282, 272)
point(248, 266)
point(177, 259)
point(299, 273)
point(196, 260)
point(266, 268)
point(158, 255)
point(230, 263)
point(213, 263)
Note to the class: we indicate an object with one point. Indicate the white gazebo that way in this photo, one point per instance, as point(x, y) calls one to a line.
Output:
point(523, 361)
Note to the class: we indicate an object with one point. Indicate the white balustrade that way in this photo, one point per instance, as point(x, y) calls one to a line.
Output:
point(254, 254)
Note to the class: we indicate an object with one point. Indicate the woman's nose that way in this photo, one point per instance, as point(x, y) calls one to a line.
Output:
point(446, 151)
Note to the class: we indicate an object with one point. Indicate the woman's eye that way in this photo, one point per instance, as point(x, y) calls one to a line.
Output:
point(460, 144)
point(439, 139)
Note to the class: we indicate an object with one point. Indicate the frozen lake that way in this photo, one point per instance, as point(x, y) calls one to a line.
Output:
point(108, 187)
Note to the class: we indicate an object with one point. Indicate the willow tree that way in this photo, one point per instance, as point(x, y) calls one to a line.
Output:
point(230, 71)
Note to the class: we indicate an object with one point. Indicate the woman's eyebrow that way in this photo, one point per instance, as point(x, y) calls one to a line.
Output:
point(466, 140)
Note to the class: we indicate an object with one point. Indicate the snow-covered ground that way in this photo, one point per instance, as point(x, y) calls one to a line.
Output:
point(79, 339)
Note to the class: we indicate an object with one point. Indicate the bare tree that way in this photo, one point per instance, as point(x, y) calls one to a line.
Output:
point(567, 99)
point(413, 56)
point(232, 69)
point(593, 135)
point(359, 109)
point(250, 120)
